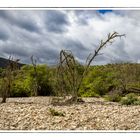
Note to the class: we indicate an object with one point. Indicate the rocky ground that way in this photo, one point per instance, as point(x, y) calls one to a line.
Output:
point(95, 114)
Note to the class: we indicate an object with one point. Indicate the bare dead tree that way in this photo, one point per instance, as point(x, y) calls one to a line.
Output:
point(91, 57)
point(8, 78)
point(69, 79)
point(68, 74)
point(35, 74)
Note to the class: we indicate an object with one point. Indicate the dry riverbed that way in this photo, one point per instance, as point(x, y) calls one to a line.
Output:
point(33, 113)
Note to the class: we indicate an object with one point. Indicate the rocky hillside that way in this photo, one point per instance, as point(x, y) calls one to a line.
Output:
point(4, 62)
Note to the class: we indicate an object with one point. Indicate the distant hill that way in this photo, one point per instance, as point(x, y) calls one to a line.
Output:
point(4, 62)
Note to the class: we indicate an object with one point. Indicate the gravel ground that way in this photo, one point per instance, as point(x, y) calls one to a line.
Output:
point(33, 113)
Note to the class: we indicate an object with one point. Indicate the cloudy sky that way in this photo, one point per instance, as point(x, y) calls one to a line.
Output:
point(43, 33)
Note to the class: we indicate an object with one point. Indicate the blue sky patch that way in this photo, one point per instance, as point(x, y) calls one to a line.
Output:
point(104, 11)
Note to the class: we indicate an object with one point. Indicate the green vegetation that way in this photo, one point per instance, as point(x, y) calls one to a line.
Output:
point(56, 113)
point(130, 99)
point(113, 97)
point(114, 82)
point(23, 84)
point(101, 81)
point(7, 78)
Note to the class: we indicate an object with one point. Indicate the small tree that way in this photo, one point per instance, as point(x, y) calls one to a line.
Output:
point(69, 79)
point(8, 78)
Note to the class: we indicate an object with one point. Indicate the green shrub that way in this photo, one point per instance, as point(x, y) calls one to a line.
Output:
point(113, 97)
point(44, 79)
point(98, 81)
point(1, 71)
point(56, 113)
point(130, 99)
point(89, 94)
point(88, 91)
point(21, 88)
point(137, 102)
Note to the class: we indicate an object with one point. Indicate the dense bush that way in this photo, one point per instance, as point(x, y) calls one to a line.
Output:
point(23, 84)
point(103, 79)
point(44, 75)
point(113, 97)
point(87, 90)
point(21, 88)
point(99, 81)
point(1, 71)
point(130, 99)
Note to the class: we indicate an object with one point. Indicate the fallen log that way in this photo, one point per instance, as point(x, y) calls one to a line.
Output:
point(134, 90)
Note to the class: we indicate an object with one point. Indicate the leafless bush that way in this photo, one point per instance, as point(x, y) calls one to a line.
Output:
point(67, 74)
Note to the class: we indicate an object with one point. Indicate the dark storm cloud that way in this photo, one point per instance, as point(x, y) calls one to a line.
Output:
point(28, 26)
point(19, 20)
point(78, 49)
point(73, 45)
point(15, 50)
point(44, 33)
point(46, 55)
point(4, 14)
point(3, 36)
point(56, 21)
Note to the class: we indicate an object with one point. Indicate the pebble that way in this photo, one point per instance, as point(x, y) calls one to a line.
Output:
point(95, 114)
